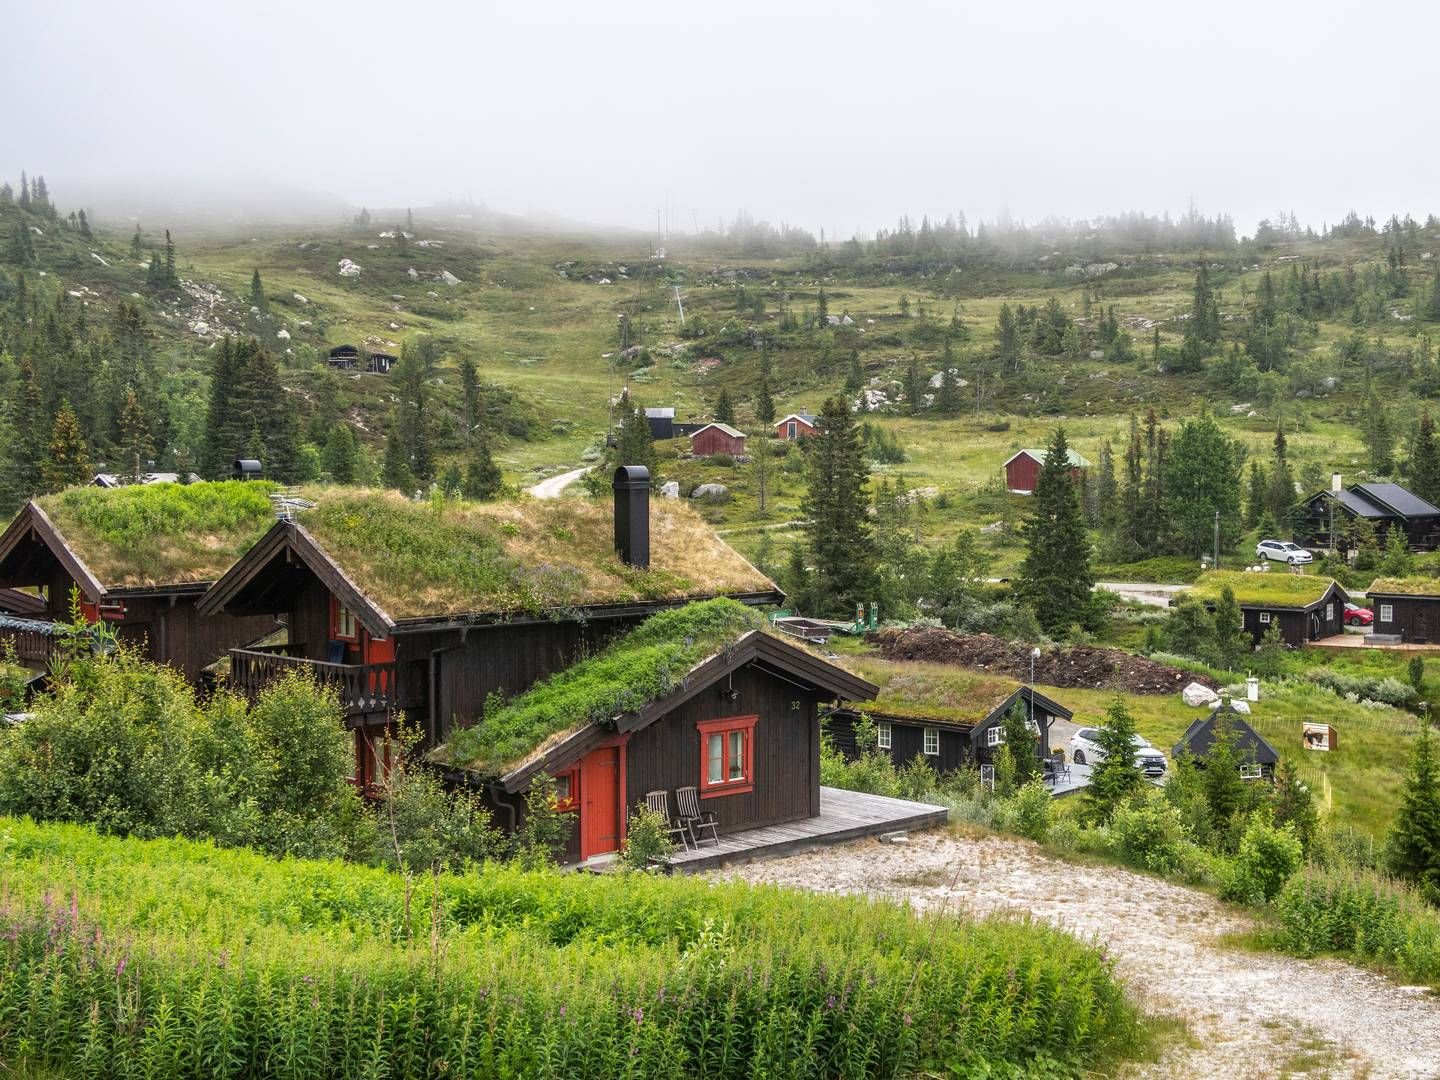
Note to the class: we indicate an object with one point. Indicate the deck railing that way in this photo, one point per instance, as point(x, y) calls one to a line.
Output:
point(32, 648)
point(363, 688)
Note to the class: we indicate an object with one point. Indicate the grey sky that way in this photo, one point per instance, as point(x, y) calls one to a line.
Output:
point(838, 114)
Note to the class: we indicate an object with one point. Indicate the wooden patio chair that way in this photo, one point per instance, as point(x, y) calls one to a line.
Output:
point(695, 819)
point(659, 801)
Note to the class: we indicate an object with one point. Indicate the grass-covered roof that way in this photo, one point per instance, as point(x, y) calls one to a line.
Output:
point(931, 691)
point(419, 560)
point(161, 534)
point(1276, 588)
point(1406, 586)
point(641, 668)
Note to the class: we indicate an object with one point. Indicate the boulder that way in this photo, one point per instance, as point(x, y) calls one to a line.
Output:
point(349, 269)
point(670, 489)
point(299, 299)
point(711, 491)
point(1196, 695)
point(283, 335)
point(448, 278)
point(1240, 706)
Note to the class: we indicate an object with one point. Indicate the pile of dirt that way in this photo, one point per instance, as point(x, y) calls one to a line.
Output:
point(1088, 667)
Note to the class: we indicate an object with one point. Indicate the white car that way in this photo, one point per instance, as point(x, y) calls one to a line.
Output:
point(1283, 551)
point(1085, 749)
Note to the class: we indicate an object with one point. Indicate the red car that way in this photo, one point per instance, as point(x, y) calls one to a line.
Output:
point(1355, 615)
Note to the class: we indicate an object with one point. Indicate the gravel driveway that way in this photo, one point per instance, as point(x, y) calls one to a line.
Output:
point(1249, 1014)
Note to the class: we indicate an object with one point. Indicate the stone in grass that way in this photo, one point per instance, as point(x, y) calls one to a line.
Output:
point(1197, 694)
point(710, 491)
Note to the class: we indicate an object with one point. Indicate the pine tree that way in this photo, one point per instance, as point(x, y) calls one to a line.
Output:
point(1257, 497)
point(66, 461)
point(839, 541)
point(1055, 578)
point(137, 244)
point(1114, 780)
point(470, 396)
point(912, 387)
point(483, 479)
point(854, 376)
point(1425, 461)
point(634, 445)
point(337, 456)
point(85, 225)
point(724, 409)
point(136, 446)
point(1282, 482)
point(172, 278)
point(257, 292)
point(1413, 848)
point(765, 405)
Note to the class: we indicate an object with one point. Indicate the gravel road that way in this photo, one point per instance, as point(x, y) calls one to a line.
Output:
point(553, 487)
point(1250, 1014)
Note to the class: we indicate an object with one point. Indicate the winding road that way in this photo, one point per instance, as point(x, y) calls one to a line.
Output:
point(554, 487)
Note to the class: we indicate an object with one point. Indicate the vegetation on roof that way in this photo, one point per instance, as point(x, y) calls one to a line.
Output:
point(931, 691)
point(1276, 588)
point(1407, 586)
point(641, 668)
point(160, 534)
point(451, 556)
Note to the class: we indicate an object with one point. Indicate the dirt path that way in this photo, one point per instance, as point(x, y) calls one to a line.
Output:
point(1251, 1015)
point(553, 487)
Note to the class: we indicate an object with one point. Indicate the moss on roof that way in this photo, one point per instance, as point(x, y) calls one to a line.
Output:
point(641, 668)
point(931, 691)
point(418, 560)
point(161, 534)
point(1407, 586)
point(1275, 588)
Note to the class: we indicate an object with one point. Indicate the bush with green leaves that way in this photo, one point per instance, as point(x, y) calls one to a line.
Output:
point(1028, 811)
point(647, 839)
point(170, 958)
point(1268, 856)
point(1147, 832)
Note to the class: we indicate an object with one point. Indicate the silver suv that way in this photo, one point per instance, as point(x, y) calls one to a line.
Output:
point(1283, 551)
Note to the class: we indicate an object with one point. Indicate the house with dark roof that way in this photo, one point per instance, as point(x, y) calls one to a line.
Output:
point(139, 557)
point(662, 422)
point(1258, 757)
point(1022, 469)
point(1326, 518)
point(951, 716)
point(343, 358)
point(1306, 607)
point(1406, 608)
point(429, 614)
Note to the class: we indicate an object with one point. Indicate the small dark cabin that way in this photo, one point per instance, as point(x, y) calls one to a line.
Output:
point(1385, 506)
point(1306, 607)
point(380, 363)
point(662, 422)
point(343, 358)
point(1407, 608)
point(1259, 758)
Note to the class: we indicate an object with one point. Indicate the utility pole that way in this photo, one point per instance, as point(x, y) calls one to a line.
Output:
point(1217, 539)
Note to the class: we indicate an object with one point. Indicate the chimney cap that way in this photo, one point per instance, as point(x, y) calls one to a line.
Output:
point(632, 476)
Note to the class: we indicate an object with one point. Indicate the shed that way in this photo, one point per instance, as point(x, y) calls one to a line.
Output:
point(797, 426)
point(1408, 608)
point(1306, 607)
point(662, 422)
point(1022, 469)
point(1259, 757)
point(380, 363)
point(717, 438)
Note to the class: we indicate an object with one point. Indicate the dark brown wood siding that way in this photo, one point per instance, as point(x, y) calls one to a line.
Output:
point(1414, 618)
point(907, 740)
point(179, 636)
point(666, 755)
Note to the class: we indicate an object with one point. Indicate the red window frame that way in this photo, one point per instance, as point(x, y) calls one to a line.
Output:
point(572, 800)
point(724, 727)
point(335, 608)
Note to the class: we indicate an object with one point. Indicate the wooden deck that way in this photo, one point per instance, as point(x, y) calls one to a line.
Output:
point(1346, 642)
point(844, 815)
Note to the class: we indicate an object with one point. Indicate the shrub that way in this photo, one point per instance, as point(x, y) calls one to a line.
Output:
point(1028, 813)
point(647, 839)
point(1147, 833)
point(173, 959)
point(721, 461)
point(1267, 857)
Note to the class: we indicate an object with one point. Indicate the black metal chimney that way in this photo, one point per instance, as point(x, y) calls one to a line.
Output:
point(632, 515)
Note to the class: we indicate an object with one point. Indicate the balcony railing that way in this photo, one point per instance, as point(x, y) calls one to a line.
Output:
point(33, 647)
point(363, 688)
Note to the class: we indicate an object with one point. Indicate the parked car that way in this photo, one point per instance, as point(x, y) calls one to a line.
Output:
point(1283, 551)
point(1355, 615)
point(1085, 749)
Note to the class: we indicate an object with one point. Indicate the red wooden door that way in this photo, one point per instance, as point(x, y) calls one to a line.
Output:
point(600, 801)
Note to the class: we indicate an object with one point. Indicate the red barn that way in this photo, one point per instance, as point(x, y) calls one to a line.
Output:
point(717, 439)
point(1023, 470)
point(796, 426)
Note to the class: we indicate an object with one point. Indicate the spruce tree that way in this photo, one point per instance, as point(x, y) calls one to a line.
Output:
point(337, 457)
point(172, 278)
point(947, 401)
point(1055, 578)
point(1425, 462)
point(764, 406)
point(1021, 739)
point(84, 225)
point(1413, 848)
point(822, 310)
point(67, 462)
point(1107, 490)
point(854, 375)
point(29, 426)
point(1282, 483)
point(395, 471)
point(1232, 641)
point(135, 443)
point(912, 387)
point(1257, 496)
point(257, 292)
point(483, 479)
point(137, 244)
point(470, 396)
point(634, 445)
point(838, 537)
point(724, 408)
point(1378, 438)
point(1114, 780)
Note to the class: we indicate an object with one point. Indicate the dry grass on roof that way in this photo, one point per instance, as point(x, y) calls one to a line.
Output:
point(161, 534)
point(1407, 586)
point(452, 557)
point(1278, 588)
point(931, 691)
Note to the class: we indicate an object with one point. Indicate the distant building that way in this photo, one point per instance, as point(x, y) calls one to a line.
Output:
point(717, 438)
point(1022, 470)
point(797, 426)
point(1407, 608)
point(1325, 518)
point(343, 358)
point(380, 363)
point(662, 422)
point(1257, 757)
point(115, 480)
point(1306, 607)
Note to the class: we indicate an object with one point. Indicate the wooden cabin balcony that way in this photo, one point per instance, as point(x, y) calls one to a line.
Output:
point(33, 648)
point(363, 688)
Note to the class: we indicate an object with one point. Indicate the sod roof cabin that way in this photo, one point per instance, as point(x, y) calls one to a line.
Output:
point(951, 715)
point(1257, 757)
point(1305, 607)
point(140, 557)
point(429, 610)
point(1406, 608)
point(700, 697)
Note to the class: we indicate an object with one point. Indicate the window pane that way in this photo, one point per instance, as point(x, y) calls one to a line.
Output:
point(562, 788)
point(715, 759)
point(737, 755)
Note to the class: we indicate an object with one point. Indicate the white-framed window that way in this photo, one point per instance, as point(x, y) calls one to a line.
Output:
point(1250, 771)
point(1329, 612)
point(791, 430)
point(882, 735)
point(1387, 612)
point(932, 741)
point(1264, 618)
point(994, 735)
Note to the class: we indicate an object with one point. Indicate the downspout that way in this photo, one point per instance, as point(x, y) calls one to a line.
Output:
point(502, 803)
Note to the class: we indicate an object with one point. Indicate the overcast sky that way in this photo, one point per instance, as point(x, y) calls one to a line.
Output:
point(837, 114)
